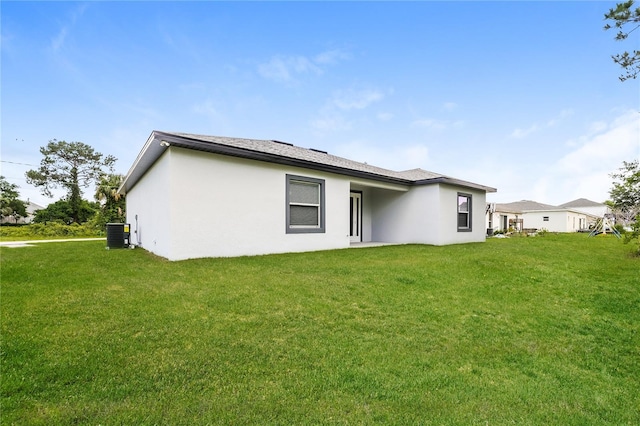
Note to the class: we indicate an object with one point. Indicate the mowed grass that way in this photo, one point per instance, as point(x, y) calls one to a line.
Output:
point(541, 330)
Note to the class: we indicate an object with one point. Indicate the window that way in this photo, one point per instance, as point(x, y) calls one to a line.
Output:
point(464, 212)
point(545, 218)
point(305, 205)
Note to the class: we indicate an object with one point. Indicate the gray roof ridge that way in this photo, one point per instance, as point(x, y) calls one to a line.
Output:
point(581, 202)
point(528, 205)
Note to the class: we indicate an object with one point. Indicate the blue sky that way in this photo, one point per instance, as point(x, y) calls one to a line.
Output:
point(521, 96)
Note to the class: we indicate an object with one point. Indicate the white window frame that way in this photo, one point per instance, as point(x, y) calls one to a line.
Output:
point(305, 229)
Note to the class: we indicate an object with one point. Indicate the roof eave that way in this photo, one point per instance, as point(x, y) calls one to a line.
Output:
point(154, 148)
point(212, 147)
point(150, 152)
point(456, 182)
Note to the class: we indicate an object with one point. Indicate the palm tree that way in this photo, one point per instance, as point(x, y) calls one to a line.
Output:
point(111, 202)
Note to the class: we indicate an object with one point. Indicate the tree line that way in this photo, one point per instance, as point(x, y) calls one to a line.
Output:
point(71, 166)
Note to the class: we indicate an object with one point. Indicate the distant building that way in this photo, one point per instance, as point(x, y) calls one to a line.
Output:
point(31, 211)
point(527, 214)
point(587, 206)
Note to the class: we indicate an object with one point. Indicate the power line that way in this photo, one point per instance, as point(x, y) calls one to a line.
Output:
point(22, 164)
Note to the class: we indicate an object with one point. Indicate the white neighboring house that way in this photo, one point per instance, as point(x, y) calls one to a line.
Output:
point(557, 220)
point(587, 206)
point(30, 208)
point(191, 196)
point(502, 217)
point(526, 214)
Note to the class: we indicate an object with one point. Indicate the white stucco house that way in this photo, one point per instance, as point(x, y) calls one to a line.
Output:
point(526, 214)
point(191, 196)
point(587, 206)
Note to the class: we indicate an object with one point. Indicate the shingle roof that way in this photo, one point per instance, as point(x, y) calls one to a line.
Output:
point(581, 202)
point(523, 205)
point(279, 152)
point(284, 149)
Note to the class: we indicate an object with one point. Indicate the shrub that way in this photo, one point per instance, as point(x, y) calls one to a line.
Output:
point(620, 228)
point(53, 229)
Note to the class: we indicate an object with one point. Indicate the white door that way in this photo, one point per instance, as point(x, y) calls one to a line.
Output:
point(355, 208)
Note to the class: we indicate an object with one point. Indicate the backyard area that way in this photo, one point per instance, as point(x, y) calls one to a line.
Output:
point(529, 330)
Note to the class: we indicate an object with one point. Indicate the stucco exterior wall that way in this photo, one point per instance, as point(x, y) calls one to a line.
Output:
point(149, 200)
point(559, 221)
point(224, 206)
point(426, 215)
point(597, 211)
point(404, 217)
point(448, 217)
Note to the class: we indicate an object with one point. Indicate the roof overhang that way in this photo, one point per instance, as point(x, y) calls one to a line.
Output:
point(158, 142)
point(455, 182)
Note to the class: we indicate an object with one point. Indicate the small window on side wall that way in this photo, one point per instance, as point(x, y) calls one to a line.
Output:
point(545, 218)
point(305, 205)
point(464, 212)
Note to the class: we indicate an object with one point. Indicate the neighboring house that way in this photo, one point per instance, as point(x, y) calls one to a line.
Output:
point(587, 206)
point(526, 214)
point(192, 196)
point(504, 217)
point(31, 209)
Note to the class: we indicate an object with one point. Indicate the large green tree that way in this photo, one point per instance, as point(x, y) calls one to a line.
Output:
point(71, 165)
point(10, 205)
point(625, 191)
point(626, 20)
point(625, 197)
point(61, 211)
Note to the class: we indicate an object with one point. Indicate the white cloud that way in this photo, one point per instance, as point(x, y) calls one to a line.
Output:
point(284, 69)
point(58, 41)
point(384, 116)
point(520, 133)
point(430, 123)
point(331, 56)
point(356, 99)
point(334, 114)
point(196, 86)
point(435, 124)
point(396, 157)
point(330, 123)
point(208, 109)
point(583, 172)
point(449, 106)
point(414, 156)
point(605, 149)
point(565, 113)
point(597, 126)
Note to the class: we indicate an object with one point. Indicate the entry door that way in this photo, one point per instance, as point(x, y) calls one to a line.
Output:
point(355, 227)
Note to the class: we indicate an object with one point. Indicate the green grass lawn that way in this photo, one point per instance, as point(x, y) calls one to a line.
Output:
point(542, 330)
